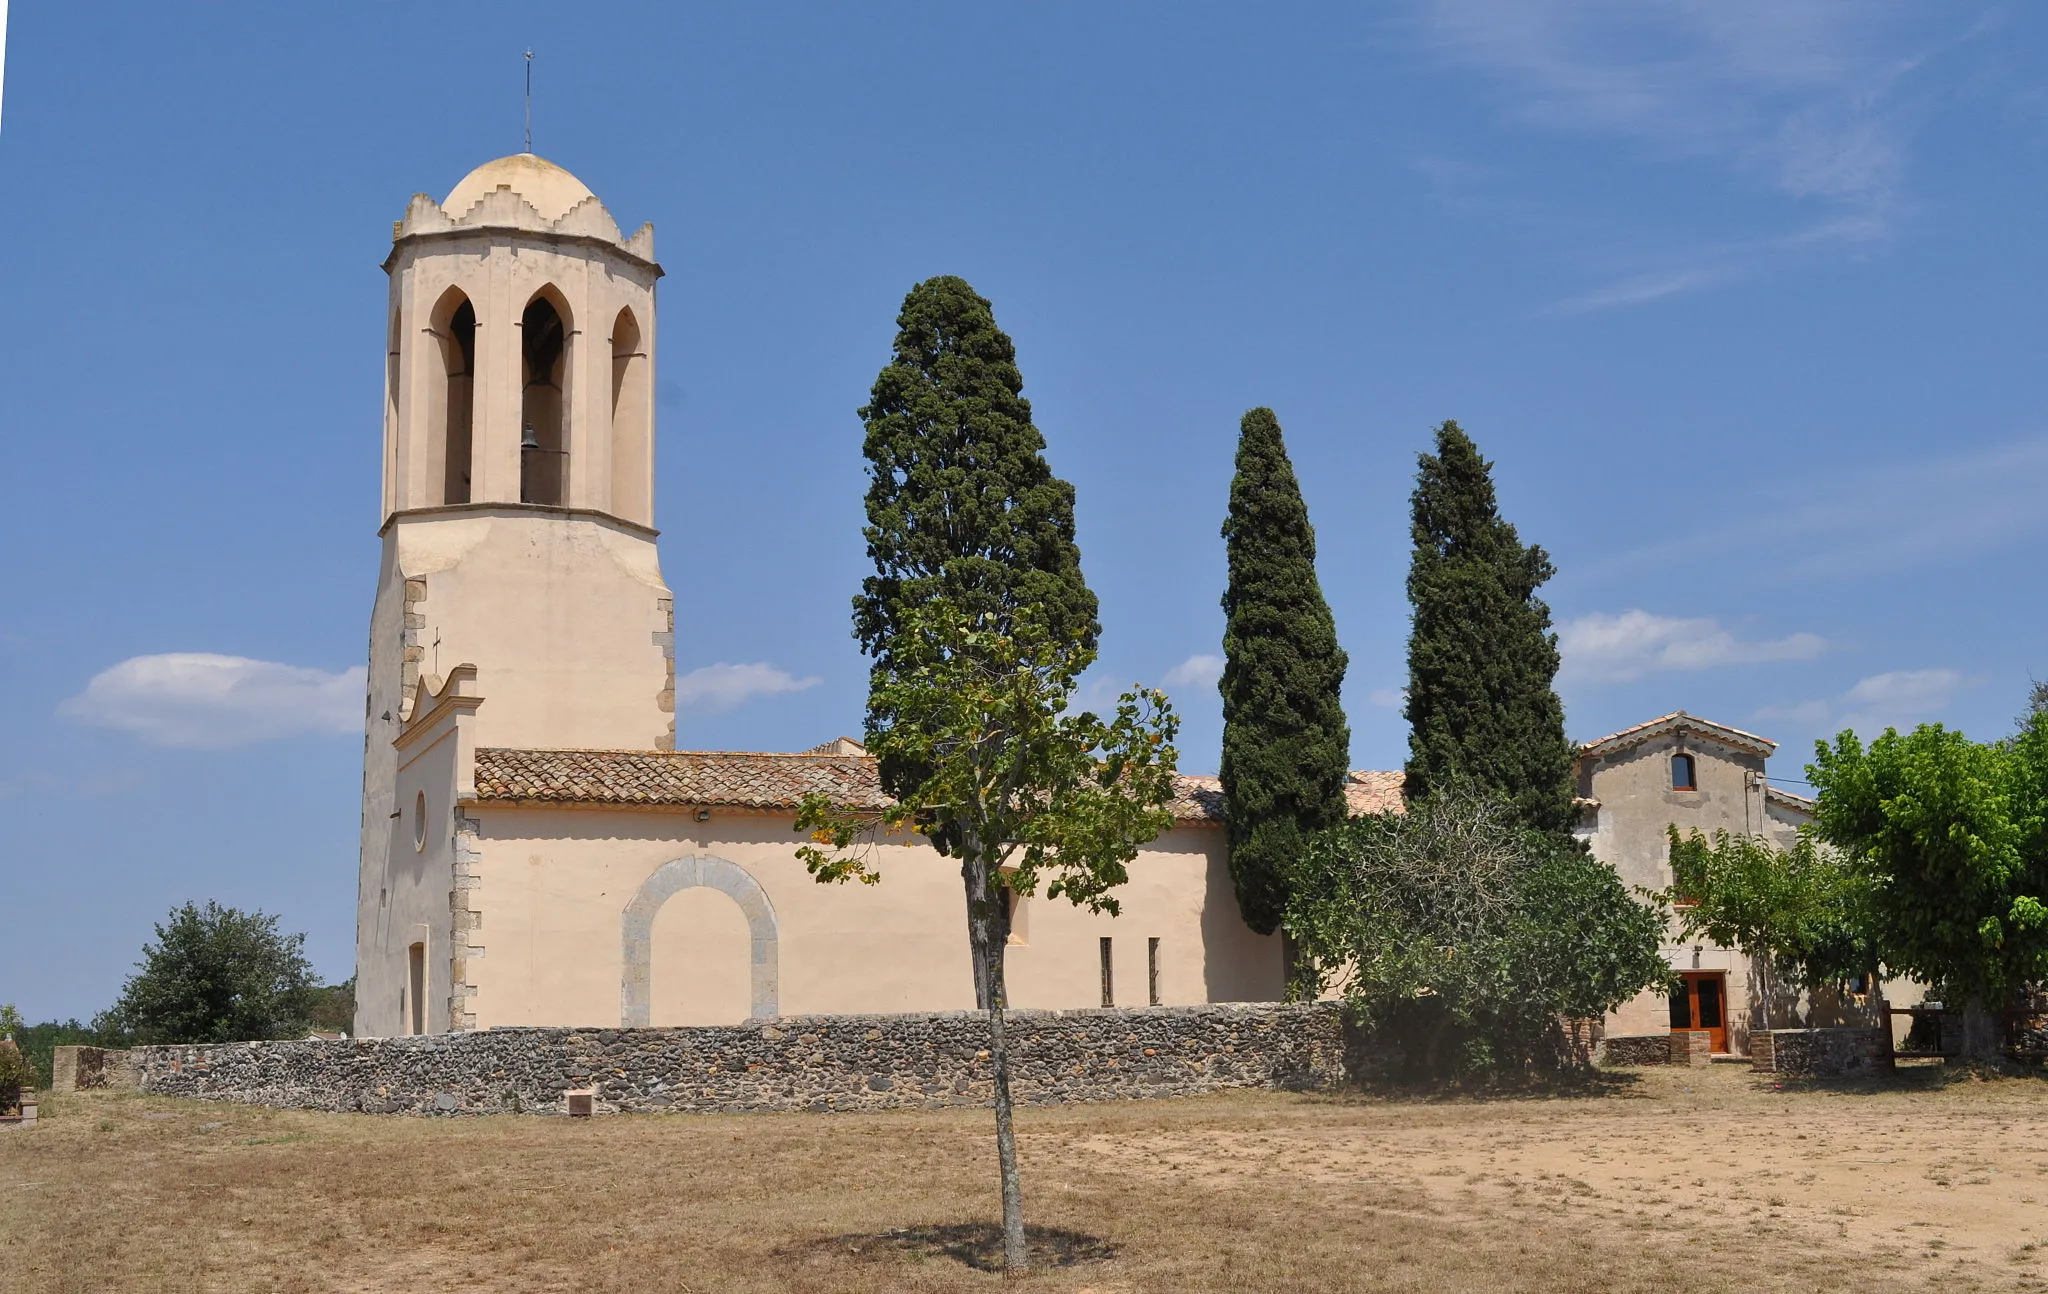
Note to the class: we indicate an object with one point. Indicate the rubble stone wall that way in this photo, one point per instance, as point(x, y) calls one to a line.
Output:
point(789, 1063)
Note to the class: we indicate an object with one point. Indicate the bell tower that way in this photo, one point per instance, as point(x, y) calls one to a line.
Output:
point(518, 504)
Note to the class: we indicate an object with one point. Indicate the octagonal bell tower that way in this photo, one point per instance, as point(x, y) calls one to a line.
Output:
point(517, 517)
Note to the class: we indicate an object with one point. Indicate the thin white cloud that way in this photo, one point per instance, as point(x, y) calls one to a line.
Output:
point(714, 689)
point(1849, 522)
point(199, 700)
point(1196, 671)
point(1793, 92)
point(1803, 99)
point(1611, 648)
point(1637, 290)
point(1386, 698)
point(1896, 699)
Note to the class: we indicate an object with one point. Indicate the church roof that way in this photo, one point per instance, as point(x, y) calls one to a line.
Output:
point(761, 780)
point(730, 778)
point(549, 189)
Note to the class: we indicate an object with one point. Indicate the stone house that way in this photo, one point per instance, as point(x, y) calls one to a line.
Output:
point(1681, 770)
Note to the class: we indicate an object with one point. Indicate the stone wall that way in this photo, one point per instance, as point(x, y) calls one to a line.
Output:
point(1820, 1053)
point(789, 1063)
point(1636, 1049)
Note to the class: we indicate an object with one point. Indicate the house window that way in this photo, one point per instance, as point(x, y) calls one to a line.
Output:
point(1683, 777)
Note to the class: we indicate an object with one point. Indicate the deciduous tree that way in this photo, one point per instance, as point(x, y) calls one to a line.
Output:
point(1028, 795)
point(1952, 836)
point(1286, 745)
point(1463, 939)
point(1802, 912)
point(1482, 710)
point(214, 974)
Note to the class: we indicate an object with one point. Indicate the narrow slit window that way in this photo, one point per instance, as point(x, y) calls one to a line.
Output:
point(1108, 975)
point(1152, 969)
point(416, 985)
point(1682, 774)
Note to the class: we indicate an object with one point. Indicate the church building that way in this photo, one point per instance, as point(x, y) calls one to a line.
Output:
point(536, 851)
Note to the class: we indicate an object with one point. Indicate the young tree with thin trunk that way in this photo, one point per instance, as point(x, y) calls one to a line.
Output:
point(961, 503)
point(1482, 709)
point(1027, 795)
point(1286, 745)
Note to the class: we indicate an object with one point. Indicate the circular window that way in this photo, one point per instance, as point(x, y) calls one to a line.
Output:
point(419, 821)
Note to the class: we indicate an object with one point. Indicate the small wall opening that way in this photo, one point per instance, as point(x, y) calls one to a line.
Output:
point(632, 422)
point(1108, 974)
point(543, 403)
point(416, 989)
point(1152, 970)
point(451, 390)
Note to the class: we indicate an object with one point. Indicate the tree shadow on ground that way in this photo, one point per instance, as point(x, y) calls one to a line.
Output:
point(1923, 1076)
point(977, 1244)
point(1577, 1084)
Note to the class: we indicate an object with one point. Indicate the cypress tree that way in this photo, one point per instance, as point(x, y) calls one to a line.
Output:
point(1482, 711)
point(1286, 745)
point(961, 503)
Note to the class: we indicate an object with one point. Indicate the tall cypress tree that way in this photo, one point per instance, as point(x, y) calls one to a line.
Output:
point(961, 503)
point(1286, 745)
point(1482, 711)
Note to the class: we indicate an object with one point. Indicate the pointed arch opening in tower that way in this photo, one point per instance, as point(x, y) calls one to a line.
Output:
point(632, 422)
point(451, 398)
point(543, 403)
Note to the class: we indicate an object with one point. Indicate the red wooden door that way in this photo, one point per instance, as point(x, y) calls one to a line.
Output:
point(1701, 1003)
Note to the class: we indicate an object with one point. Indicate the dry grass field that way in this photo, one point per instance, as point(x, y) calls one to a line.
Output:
point(1682, 1180)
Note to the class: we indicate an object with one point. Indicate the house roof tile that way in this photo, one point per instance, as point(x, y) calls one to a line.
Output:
point(1678, 720)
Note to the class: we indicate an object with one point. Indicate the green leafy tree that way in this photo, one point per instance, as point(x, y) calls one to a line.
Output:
point(1463, 940)
point(332, 1007)
point(1286, 745)
point(1482, 711)
point(961, 503)
point(1950, 835)
point(215, 974)
point(1803, 912)
point(1026, 794)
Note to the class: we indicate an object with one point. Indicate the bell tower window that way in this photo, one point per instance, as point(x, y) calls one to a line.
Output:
point(451, 396)
point(631, 430)
point(543, 443)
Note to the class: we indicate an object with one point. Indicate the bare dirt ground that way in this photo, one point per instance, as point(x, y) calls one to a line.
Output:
point(1699, 1179)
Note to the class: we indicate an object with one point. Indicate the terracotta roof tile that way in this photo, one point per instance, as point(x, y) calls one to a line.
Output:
point(763, 780)
point(739, 779)
point(1672, 722)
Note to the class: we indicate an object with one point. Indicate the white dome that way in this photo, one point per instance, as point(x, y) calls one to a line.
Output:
point(548, 188)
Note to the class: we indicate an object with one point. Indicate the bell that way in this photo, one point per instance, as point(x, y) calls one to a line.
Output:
point(529, 440)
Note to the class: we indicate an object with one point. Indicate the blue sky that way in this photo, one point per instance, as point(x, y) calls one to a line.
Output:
point(1743, 298)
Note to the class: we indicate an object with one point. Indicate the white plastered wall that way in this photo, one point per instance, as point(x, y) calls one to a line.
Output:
point(554, 884)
